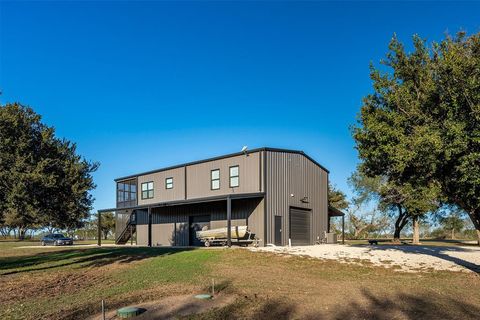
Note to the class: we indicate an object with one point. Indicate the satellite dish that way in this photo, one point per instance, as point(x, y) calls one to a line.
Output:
point(244, 148)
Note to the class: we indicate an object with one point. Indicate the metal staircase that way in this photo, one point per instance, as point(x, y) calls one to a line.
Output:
point(125, 227)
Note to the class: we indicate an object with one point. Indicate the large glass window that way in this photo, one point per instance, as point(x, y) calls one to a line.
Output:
point(147, 190)
point(215, 179)
point(169, 183)
point(126, 193)
point(234, 177)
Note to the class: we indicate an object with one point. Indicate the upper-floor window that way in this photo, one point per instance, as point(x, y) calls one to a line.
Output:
point(169, 183)
point(215, 179)
point(147, 190)
point(234, 177)
point(127, 193)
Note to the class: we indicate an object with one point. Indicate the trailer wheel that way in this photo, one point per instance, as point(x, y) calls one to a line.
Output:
point(207, 243)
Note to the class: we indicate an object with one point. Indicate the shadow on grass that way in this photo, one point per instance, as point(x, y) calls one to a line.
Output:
point(408, 306)
point(441, 252)
point(94, 257)
point(365, 306)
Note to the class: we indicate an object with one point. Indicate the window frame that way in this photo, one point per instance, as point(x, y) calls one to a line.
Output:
point(212, 180)
point(237, 176)
point(167, 183)
point(147, 190)
point(126, 193)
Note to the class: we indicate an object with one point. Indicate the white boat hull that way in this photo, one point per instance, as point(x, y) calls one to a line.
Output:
point(237, 232)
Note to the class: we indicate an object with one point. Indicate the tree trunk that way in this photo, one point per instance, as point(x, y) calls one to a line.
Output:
point(416, 230)
point(453, 234)
point(21, 233)
point(401, 221)
point(475, 216)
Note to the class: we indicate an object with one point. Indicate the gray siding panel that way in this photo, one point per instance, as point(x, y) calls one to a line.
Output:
point(244, 212)
point(160, 193)
point(290, 178)
point(199, 179)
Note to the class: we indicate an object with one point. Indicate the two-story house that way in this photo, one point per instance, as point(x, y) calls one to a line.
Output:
point(281, 195)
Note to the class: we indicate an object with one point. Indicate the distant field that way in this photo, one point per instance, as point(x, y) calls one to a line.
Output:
point(69, 283)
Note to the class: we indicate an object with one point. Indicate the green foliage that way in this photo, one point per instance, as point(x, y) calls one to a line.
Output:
point(107, 225)
point(337, 198)
point(420, 127)
point(43, 182)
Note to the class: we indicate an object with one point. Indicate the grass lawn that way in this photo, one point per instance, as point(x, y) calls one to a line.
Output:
point(69, 283)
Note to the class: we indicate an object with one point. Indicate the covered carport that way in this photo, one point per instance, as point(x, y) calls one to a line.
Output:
point(334, 212)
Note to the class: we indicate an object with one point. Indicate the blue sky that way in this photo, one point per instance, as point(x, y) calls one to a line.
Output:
point(143, 85)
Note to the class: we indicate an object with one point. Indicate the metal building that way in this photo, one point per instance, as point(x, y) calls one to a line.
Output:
point(281, 195)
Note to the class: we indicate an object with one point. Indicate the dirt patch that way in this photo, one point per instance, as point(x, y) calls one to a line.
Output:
point(47, 285)
point(174, 307)
point(53, 284)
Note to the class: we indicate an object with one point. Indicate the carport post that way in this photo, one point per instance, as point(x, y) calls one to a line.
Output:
point(343, 229)
point(99, 227)
point(149, 227)
point(229, 221)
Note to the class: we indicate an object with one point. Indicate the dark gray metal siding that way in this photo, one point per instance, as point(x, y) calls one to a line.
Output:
point(244, 211)
point(291, 177)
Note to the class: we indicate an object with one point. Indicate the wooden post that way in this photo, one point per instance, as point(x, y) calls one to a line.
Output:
point(99, 226)
point(229, 221)
point(343, 229)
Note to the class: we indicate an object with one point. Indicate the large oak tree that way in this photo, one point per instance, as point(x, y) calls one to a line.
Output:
point(421, 125)
point(43, 181)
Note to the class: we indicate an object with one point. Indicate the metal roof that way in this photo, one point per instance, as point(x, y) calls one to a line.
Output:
point(223, 157)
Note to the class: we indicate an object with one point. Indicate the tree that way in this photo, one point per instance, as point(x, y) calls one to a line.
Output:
point(365, 222)
point(421, 126)
point(108, 224)
point(453, 222)
point(43, 181)
point(337, 198)
point(402, 202)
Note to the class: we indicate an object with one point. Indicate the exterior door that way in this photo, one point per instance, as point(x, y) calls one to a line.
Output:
point(300, 230)
point(278, 230)
point(196, 224)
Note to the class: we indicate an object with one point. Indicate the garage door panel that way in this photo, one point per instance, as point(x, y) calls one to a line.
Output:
point(300, 226)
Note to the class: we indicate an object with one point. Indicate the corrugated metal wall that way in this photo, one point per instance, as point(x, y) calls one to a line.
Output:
point(244, 212)
point(160, 193)
point(199, 179)
point(289, 178)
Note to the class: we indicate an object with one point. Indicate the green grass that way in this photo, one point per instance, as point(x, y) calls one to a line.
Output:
point(69, 283)
point(138, 269)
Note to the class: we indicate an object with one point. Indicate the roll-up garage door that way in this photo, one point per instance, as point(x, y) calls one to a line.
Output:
point(300, 226)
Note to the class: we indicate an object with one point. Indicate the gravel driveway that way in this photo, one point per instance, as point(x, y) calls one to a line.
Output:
point(406, 258)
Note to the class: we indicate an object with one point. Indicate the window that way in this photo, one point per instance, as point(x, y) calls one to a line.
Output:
point(147, 190)
point(234, 177)
point(169, 183)
point(215, 183)
point(126, 193)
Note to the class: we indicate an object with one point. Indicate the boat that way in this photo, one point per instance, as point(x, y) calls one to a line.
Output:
point(237, 232)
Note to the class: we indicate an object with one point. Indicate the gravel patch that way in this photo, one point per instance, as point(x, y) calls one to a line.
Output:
point(406, 258)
